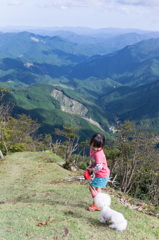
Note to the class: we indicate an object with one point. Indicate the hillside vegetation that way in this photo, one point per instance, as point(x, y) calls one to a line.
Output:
point(137, 103)
point(38, 201)
point(52, 112)
point(111, 87)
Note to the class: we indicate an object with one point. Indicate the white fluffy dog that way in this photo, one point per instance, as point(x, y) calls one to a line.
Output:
point(118, 221)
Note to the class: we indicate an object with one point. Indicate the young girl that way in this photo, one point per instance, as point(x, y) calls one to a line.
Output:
point(98, 165)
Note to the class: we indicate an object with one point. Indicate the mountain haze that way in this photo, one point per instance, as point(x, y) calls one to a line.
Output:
point(88, 80)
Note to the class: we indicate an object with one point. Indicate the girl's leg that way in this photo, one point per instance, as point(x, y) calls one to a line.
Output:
point(99, 190)
point(94, 192)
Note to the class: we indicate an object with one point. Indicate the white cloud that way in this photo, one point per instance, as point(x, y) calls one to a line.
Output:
point(94, 3)
point(74, 3)
point(143, 14)
point(139, 2)
point(65, 4)
point(15, 2)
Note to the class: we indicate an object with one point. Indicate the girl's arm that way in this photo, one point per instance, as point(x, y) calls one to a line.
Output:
point(97, 168)
point(99, 164)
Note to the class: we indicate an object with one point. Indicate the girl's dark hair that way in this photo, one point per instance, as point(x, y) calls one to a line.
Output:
point(98, 140)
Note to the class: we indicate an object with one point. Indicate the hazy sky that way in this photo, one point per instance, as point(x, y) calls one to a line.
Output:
point(141, 14)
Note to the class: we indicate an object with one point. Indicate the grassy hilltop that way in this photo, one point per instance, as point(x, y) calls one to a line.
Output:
point(39, 201)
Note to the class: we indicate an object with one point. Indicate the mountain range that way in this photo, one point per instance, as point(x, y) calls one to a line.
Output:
point(88, 80)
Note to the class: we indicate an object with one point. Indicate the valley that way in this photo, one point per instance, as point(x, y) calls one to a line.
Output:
point(81, 80)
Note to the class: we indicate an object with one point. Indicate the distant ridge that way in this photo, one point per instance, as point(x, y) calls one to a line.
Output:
point(113, 78)
point(78, 30)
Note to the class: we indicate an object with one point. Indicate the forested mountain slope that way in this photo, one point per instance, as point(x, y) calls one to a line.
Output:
point(120, 85)
point(134, 104)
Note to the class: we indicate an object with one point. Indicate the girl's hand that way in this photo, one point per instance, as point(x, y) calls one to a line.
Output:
point(90, 169)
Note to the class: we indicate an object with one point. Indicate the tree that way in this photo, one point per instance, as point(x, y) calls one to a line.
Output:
point(83, 145)
point(70, 133)
point(137, 158)
point(16, 134)
point(19, 132)
point(4, 113)
point(48, 141)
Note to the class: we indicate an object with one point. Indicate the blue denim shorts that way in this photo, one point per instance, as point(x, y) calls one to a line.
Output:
point(100, 182)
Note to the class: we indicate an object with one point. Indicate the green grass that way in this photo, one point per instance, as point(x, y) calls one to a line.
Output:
point(33, 188)
point(55, 157)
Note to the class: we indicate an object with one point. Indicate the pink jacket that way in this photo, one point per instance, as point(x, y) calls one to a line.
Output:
point(99, 163)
